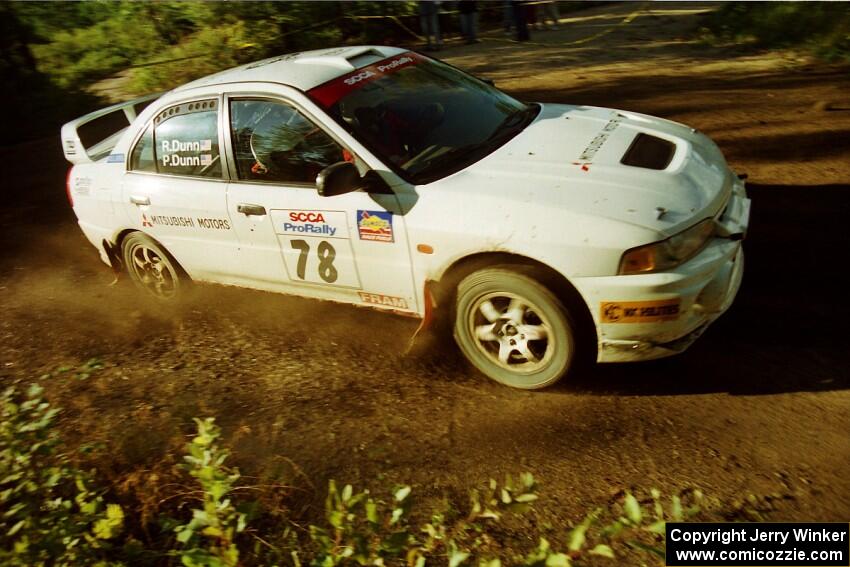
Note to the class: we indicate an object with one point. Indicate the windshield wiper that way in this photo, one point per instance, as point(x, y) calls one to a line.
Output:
point(508, 128)
point(460, 154)
point(520, 118)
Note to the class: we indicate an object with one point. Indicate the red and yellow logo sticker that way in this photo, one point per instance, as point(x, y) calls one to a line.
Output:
point(639, 311)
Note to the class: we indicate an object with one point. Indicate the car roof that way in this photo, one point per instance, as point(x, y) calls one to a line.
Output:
point(303, 70)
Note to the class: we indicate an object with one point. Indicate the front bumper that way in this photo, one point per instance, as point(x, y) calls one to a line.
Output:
point(648, 316)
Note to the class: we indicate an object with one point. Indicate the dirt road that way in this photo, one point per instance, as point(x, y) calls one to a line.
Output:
point(760, 404)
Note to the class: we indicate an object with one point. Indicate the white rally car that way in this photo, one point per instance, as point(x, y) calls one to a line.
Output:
point(380, 177)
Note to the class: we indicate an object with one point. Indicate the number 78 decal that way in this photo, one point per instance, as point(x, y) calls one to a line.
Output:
point(327, 253)
point(318, 261)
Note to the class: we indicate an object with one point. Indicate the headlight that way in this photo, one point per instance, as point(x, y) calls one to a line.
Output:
point(668, 253)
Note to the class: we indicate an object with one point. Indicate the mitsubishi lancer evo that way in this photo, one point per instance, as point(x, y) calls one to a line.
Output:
point(544, 234)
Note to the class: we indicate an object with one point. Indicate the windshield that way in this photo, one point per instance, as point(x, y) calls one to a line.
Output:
point(423, 118)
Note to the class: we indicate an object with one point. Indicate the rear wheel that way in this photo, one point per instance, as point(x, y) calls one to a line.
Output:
point(514, 329)
point(151, 268)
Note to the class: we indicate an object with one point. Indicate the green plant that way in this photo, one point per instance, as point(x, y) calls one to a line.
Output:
point(49, 516)
point(208, 538)
point(460, 540)
point(631, 524)
point(361, 529)
point(821, 27)
point(365, 531)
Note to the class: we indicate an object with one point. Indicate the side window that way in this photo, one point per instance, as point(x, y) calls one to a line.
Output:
point(183, 140)
point(187, 140)
point(142, 158)
point(274, 142)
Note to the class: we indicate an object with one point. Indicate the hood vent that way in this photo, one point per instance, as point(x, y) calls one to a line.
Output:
point(649, 152)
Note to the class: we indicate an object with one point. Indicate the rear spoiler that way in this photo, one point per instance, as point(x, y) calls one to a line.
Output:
point(110, 130)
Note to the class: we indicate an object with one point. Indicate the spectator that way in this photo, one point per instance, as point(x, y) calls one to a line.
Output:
point(548, 10)
point(507, 16)
point(520, 20)
point(429, 19)
point(468, 20)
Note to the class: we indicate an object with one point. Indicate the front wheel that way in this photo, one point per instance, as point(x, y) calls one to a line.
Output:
point(514, 329)
point(151, 268)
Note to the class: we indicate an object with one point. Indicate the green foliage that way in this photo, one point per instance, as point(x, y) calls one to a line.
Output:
point(208, 538)
point(823, 27)
point(84, 54)
point(360, 529)
point(171, 42)
point(631, 524)
point(201, 54)
point(364, 531)
point(49, 516)
point(38, 102)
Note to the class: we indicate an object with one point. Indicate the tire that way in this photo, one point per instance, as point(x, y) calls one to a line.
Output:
point(498, 310)
point(152, 269)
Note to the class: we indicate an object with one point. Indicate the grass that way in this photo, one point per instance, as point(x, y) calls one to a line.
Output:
point(822, 28)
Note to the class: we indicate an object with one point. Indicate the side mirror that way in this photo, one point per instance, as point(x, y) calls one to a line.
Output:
point(343, 177)
point(337, 179)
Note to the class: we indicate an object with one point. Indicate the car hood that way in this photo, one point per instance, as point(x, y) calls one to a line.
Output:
point(571, 157)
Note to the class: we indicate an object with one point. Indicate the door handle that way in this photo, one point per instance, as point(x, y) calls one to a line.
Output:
point(248, 209)
point(136, 200)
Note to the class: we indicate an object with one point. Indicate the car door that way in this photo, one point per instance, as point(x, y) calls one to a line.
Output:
point(175, 189)
point(348, 248)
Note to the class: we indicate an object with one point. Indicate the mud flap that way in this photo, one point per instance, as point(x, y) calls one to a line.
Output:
point(427, 319)
point(114, 259)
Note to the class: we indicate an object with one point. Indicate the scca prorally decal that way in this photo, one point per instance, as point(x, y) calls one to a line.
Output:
point(324, 224)
point(308, 222)
point(381, 299)
point(395, 63)
point(329, 93)
point(115, 158)
point(375, 225)
point(185, 222)
point(358, 77)
point(600, 139)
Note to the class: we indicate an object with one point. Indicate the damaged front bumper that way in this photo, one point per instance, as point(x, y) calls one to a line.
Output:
point(649, 316)
point(707, 306)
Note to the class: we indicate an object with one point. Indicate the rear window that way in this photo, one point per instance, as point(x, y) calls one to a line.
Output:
point(101, 128)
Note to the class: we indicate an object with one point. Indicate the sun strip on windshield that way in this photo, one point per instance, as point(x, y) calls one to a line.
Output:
point(328, 94)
